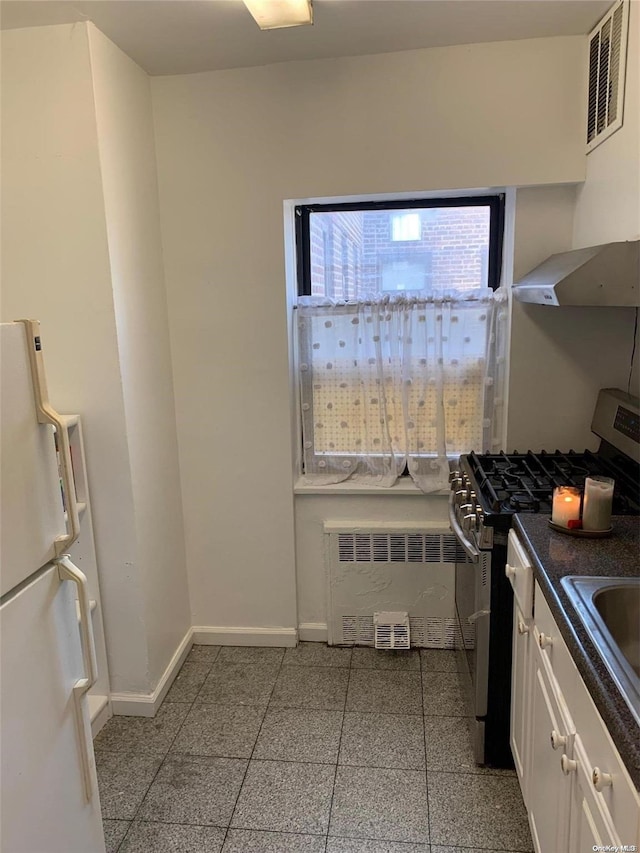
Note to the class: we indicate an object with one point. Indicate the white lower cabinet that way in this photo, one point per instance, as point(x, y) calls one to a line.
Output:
point(550, 734)
point(520, 694)
point(520, 574)
point(575, 786)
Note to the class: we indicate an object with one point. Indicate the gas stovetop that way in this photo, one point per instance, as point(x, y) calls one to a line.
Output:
point(487, 488)
point(524, 482)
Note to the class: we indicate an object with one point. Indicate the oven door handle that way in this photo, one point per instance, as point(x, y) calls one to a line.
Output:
point(469, 547)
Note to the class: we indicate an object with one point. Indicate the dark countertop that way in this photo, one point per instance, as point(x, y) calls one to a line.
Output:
point(555, 555)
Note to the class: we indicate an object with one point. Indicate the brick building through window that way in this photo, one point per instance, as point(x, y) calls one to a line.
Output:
point(347, 252)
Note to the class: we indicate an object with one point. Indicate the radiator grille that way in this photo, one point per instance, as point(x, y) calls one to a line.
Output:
point(400, 548)
point(374, 570)
point(426, 632)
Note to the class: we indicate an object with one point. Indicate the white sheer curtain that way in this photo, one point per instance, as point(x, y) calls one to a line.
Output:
point(394, 381)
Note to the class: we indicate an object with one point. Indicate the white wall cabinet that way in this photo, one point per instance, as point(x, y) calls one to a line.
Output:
point(574, 784)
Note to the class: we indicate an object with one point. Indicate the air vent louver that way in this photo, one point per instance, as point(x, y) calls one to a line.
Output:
point(607, 63)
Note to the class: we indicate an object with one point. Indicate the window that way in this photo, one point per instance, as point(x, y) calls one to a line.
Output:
point(397, 335)
point(405, 226)
point(456, 243)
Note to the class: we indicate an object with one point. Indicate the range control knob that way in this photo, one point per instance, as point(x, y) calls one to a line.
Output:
point(470, 521)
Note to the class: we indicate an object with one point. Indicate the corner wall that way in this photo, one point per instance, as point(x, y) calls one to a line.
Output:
point(128, 165)
point(577, 350)
point(560, 357)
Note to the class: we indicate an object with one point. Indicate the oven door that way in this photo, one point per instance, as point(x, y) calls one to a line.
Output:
point(473, 601)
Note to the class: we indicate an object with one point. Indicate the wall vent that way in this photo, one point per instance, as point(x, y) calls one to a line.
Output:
point(373, 570)
point(607, 65)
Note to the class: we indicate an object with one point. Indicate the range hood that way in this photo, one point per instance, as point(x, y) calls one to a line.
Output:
point(600, 275)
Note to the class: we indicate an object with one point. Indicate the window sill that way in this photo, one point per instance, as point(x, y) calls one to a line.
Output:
point(405, 486)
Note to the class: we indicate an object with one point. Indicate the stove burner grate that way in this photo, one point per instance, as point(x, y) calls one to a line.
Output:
point(522, 502)
point(524, 482)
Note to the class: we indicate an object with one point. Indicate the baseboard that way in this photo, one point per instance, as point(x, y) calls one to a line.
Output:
point(99, 712)
point(314, 632)
point(147, 704)
point(211, 636)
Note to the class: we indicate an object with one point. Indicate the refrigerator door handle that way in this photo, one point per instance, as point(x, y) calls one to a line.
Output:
point(48, 415)
point(62, 543)
point(68, 572)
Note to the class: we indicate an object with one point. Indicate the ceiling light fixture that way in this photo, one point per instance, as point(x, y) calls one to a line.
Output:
point(274, 14)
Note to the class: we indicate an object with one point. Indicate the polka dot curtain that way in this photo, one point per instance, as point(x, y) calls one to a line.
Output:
point(399, 381)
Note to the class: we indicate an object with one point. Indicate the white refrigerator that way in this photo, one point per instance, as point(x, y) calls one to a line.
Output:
point(49, 799)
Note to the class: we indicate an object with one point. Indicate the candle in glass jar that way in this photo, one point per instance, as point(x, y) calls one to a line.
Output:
point(566, 505)
point(598, 498)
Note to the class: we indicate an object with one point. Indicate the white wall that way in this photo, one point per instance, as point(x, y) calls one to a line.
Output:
point(560, 357)
point(127, 157)
point(231, 146)
point(593, 346)
point(608, 204)
point(81, 252)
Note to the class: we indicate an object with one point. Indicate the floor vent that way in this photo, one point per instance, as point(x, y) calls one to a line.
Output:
point(606, 74)
point(375, 570)
point(391, 630)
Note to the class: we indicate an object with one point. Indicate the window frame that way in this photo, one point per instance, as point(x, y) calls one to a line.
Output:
point(495, 202)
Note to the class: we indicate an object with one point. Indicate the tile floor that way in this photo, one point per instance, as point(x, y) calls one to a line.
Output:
point(308, 750)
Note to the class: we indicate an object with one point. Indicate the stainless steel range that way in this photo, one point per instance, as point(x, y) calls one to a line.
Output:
point(486, 491)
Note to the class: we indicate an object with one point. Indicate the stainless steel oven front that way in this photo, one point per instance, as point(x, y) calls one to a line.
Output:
point(473, 611)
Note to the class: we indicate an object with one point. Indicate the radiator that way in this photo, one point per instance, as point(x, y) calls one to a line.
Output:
point(371, 569)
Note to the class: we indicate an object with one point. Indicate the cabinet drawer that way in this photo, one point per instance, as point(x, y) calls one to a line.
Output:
point(549, 639)
point(520, 574)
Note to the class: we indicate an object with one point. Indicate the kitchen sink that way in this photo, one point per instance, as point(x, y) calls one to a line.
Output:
point(609, 609)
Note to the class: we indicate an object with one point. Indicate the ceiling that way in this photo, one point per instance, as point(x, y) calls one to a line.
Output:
point(187, 36)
